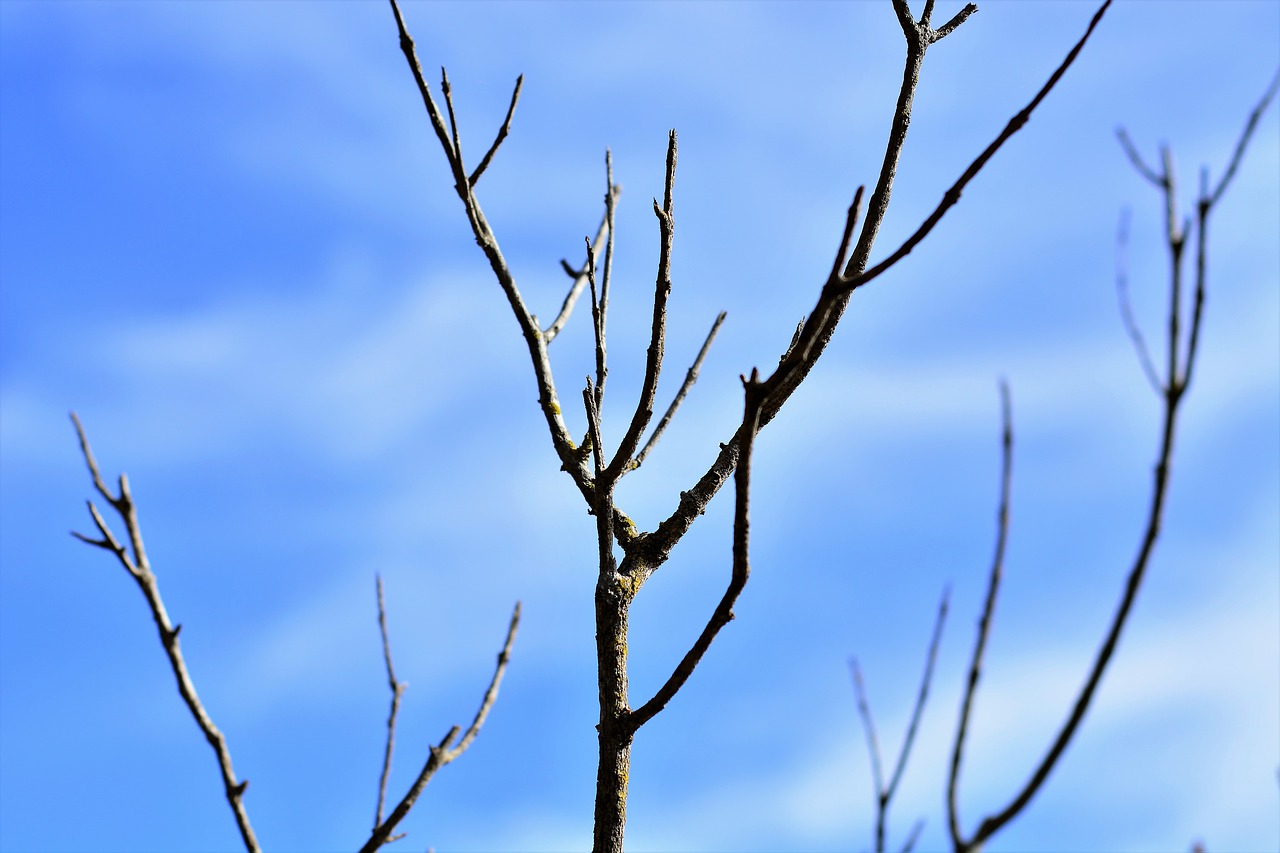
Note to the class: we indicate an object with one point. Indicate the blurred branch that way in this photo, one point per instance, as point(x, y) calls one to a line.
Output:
point(1172, 391)
point(884, 793)
point(1126, 309)
point(988, 610)
point(397, 689)
point(139, 568)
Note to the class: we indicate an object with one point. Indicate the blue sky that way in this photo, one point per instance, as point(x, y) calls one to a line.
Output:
point(228, 240)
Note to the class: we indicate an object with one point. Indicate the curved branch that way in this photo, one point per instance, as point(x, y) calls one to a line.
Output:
point(988, 609)
point(753, 395)
point(579, 276)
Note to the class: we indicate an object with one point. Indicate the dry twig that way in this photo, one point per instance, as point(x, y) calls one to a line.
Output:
point(445, 751)
point(139, 568)
point(397, 690)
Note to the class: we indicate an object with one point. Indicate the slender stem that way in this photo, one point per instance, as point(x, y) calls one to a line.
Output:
point(397, 690)
point(988, 611)
point(689, 379)
point(1126, 309)
point(753, 393)
point(657, 340)
point(139, 568)
point(1173, 391)
point(579, 276)
point(445, 752)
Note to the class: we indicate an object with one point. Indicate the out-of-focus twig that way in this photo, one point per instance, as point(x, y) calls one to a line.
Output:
point(397, 688)
point(884, 793)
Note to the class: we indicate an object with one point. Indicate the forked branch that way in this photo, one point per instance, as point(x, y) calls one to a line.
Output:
point(579, 276)
point(446, 751)
point(139, 568)
point(753, 394)
point(822, 321)
point(884, 793)
point(657, 340)
point(571, 460)
point(951, 196)
point(1181, 359)
point(1126, 308)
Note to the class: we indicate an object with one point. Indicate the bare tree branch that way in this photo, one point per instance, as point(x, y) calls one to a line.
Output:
point(689, 379)
point(913, 836)
point(1173, 392)
point(606, 276)
point(139, 567)
point(651, 550)
point(657, 341)
point(884, 793)
point(988, 610)
point(579, 276)
point(593, 428)
point(453, 127)
point(723, 614)
point(598, 331)
point(1126, 309)
point(953, 194)
point(445, 752)
point(502, 134)
point(397, 689)
point(1245, 136)
point(1203, 208)
point(571, 460)
point(1136, 159)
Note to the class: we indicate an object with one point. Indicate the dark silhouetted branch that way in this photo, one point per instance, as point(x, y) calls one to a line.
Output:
point(953, 194)
point(723, 614)
point(988, 611)
point(655, 547)
point(657, 340)
point(571, 459)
